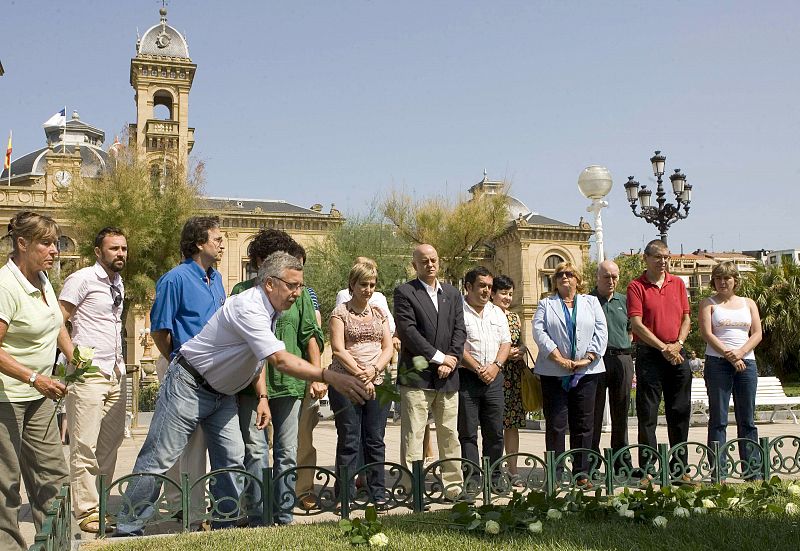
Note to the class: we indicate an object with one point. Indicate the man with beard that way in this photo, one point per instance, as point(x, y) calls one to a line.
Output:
point(92, 298)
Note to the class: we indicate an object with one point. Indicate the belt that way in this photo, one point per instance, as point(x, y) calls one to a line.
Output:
point(199, 379)
point(611, 351)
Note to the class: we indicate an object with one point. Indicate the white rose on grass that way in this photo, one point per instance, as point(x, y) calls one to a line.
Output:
point(616, 503)
point(734, 501)
point(708, 504)
point(553, 514)
point(535, 527)
point(792, 509)
point(629, 513)
point(681, 512)
point(379, 540)
point(660, 522)
point(793, 489)
point(699, 510)
point(492, 527)
point(623, 510)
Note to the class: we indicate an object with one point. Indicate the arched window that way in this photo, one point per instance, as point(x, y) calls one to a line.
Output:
point(548, 270)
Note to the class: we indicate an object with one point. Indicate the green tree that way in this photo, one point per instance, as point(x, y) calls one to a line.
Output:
point(776, 292)
point(631, 266)
point(330, 260)
point(459, 229)
point(151, 213)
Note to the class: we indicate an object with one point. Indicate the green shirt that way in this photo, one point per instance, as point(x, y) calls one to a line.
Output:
point(295, 327)
point(33, 328)
point(616, 311)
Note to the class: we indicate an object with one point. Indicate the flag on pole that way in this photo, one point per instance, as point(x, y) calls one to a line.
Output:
point(7, 164)
point(59, 119)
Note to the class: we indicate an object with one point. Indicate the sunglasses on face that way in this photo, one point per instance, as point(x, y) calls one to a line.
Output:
point(570, 275)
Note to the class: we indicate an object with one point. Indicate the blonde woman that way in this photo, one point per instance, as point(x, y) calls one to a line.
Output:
point(362, 346)
point(731, 327)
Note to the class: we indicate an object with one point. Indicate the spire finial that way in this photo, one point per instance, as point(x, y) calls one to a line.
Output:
point(163, 11)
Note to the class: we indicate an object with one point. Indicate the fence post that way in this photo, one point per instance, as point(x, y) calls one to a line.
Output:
point(344, 490)
point(609, 455)
point(550, 471)
point(417, 485)
point(765, 470)
point(663, 453)
point(101, 482)
point(267, 499)
point(716, 471)
point(186, 505)
point(487, 481)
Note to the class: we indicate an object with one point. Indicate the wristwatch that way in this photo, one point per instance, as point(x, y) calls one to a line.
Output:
point(32, 378)
point(680, 342)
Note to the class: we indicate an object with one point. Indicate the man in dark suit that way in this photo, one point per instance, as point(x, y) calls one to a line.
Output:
point(430, 323)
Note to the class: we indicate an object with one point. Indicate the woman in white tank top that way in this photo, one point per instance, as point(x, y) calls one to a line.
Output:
point(731, 327)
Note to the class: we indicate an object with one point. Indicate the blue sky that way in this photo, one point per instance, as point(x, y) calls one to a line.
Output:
point(339, 102)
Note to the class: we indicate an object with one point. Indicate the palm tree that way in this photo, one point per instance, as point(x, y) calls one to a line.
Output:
point(776, 292)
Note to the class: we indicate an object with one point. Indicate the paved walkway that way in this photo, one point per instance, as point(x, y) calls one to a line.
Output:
point(531, 441)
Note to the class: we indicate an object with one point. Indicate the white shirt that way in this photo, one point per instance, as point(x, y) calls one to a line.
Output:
point(231, 348)
point(96, 322)
point(486, 332)
point(378, 300)
point(433, 293)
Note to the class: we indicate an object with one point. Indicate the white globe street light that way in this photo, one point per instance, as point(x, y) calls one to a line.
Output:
point(594, 183)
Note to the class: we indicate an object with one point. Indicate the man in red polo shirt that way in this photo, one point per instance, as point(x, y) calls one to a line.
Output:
point(658, 308)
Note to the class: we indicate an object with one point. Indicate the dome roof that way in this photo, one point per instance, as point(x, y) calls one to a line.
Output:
point(163, 40)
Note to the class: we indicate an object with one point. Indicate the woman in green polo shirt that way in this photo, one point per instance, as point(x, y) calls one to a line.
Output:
point(30, 325)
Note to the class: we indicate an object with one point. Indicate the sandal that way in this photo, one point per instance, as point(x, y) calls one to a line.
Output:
point(91, 524)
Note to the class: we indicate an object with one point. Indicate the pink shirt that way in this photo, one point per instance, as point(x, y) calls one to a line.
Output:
point(96, 322)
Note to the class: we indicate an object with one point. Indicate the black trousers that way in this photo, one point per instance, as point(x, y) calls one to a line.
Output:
point(573, 409)
point(617, 379)
point(479, 403)
point(654, 376)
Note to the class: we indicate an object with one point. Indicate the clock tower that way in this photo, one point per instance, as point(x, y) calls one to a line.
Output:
point(161, 76)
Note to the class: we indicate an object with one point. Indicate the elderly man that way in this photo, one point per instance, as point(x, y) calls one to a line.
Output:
point(618, 376)
point(430, 323)
point(658, 308)
point(92, 298)
point(203, 378)
point(480, 398)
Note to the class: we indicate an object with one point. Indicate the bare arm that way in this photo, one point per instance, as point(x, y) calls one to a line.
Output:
point(347, 385)
point(387, 350)
point(316, 390)
point(755, 334)
point(263, 414)
point(163, 341)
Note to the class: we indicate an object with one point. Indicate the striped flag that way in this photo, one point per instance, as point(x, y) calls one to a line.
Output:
point(7, 164)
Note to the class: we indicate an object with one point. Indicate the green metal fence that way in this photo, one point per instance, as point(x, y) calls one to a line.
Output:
point(416, 489)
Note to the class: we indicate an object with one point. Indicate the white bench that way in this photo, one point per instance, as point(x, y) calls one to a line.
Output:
point(768, 393)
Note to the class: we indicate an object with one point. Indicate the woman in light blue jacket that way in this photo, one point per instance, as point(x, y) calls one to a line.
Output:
point(570, 330)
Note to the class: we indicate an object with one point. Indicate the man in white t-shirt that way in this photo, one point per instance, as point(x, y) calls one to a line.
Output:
point(202, 381)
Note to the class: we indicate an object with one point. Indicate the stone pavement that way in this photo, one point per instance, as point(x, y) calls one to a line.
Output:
point(531, 441)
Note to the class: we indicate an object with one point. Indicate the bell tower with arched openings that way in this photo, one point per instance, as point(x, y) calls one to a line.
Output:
point(161, 76)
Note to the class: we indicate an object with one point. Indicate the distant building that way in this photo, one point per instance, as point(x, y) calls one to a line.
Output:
point(775, 258)
point(695, 269)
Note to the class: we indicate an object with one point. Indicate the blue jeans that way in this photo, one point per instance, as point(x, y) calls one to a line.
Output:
point(360, 427)
point(722, 379)
point(180, 407)
point(256, 453)
point(285, 419)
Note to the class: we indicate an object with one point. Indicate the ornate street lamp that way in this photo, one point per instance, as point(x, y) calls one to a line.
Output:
point(594, 183)
point(665, 214)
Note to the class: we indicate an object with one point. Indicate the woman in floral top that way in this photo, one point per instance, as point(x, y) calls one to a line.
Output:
point(362, 346)
point(514, 418)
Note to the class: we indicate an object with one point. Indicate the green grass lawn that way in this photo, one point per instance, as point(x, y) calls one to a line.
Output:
point(429, 532)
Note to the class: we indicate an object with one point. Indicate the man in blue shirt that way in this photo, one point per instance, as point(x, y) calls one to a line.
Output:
point(186, 298)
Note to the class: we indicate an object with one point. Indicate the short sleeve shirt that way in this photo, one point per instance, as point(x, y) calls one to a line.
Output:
point(661, 308)
point(33, 328)
point(485, 332)
point(616, 311)
point(186, 298)
point(231, 348)
point(96, 322)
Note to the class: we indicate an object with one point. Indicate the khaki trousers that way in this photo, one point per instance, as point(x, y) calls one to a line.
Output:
point(193, 460)
point(96, 421)
point(306, 452)
point(414, 406)
point(28, 446)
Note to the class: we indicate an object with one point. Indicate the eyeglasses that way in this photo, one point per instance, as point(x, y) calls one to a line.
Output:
point(664, 257)
point(117, 295)
point(291, 286)
point(570, 275)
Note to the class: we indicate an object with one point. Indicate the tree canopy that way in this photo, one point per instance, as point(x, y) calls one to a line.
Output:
point(458, 229)
point(151, 213)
